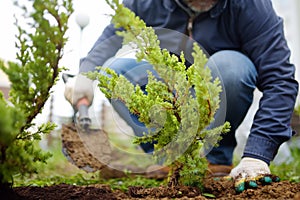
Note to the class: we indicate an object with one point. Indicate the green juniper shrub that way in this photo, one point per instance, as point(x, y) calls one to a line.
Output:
point(40, 43)
point(176, 118)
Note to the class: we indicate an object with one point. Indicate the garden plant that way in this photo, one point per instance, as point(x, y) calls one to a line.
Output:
point(176, 108)
point(40, 44)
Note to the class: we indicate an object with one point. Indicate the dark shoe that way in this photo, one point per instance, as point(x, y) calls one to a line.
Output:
point(157, 172)
point(219, 170)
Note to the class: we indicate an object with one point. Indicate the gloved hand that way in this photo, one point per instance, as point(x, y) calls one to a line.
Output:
point(78, 88)
point(249, 172)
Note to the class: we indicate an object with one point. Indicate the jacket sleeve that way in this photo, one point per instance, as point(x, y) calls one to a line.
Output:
point(262, 38)
point(106, 45)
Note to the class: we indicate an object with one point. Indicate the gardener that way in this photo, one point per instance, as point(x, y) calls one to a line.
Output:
point(248, 50)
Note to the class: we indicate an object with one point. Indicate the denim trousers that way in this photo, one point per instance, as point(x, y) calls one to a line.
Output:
point(238, 76)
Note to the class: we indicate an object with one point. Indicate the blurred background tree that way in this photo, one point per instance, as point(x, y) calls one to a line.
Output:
point(40, 47)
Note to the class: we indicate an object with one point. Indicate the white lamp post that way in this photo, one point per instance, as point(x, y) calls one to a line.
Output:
point(82, 21)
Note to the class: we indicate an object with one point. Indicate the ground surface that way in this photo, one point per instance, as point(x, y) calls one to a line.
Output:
point(213, 189)
point(220, 189)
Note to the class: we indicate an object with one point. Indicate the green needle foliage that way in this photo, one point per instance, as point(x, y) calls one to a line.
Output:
point(176, 108)
point(40, 47)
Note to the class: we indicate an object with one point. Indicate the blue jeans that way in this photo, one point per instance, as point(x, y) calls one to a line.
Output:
point(238, 75)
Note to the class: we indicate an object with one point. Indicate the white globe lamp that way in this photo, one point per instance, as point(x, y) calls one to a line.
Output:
point(82, 20)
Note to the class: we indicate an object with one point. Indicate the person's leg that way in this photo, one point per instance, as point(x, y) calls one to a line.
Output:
point(239, 76)
point(136, 73)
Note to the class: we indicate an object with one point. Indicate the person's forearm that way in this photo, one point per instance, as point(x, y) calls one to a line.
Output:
point(271, 125)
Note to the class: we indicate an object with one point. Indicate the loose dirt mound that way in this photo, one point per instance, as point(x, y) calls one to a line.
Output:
point(220, 189)
point(280, 190)
point(89, 151)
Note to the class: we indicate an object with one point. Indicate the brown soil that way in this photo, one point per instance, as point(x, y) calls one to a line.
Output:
point(220, 189)
point(91, 151)
point(77, 150)
point(87, 150)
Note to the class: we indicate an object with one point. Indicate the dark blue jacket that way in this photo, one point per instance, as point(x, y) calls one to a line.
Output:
point(249, 26)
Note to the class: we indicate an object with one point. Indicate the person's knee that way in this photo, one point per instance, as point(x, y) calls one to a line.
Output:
point(135, 72)
point(120, 65)
point(238, 76)
point(232, 67)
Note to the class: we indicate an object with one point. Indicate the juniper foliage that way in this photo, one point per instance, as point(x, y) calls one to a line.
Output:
point(176, 116)
point(40, 43)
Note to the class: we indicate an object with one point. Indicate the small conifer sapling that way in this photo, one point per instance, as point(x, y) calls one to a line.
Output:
point(176, 108)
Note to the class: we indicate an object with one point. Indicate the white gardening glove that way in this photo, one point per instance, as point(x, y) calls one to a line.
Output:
point(77, 88)
point(249, 172)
